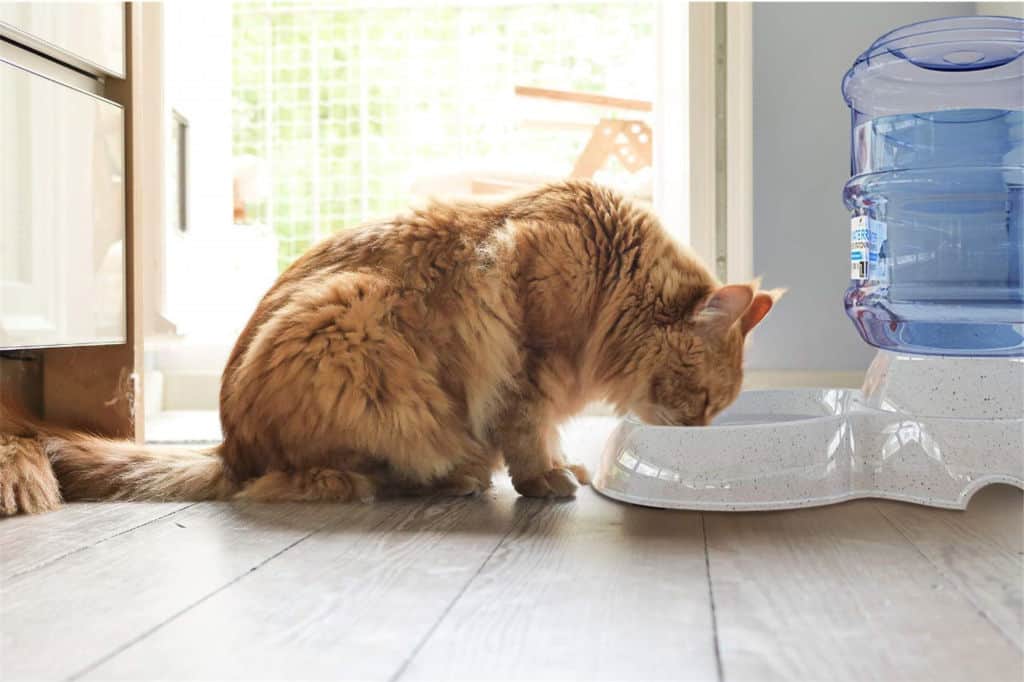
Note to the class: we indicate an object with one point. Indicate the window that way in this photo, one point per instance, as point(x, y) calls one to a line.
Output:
point(352, 111)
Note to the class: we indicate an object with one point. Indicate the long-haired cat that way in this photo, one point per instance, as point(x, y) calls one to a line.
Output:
point(418, 354)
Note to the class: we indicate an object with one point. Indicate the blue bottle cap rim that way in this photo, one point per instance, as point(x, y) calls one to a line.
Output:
point(950, 44)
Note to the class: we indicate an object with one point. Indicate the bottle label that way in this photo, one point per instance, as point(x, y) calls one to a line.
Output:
point(867, 241)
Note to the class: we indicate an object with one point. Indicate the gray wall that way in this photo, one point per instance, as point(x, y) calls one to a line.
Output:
point(801, 160)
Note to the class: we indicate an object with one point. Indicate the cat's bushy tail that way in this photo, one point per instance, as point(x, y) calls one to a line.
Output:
point(92, 468)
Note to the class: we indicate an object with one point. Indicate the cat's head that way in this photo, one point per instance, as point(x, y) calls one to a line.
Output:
point(697, 367)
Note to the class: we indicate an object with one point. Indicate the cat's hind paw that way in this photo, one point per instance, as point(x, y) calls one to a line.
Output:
point(558, 482)
point(310, 485)
point(27, 483)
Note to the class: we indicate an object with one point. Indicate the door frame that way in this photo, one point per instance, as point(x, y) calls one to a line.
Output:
point(708, 203)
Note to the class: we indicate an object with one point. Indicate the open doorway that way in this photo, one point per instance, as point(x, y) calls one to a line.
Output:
point(288, 122)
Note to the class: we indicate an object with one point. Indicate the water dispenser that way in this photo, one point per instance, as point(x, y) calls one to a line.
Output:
point(937, 166)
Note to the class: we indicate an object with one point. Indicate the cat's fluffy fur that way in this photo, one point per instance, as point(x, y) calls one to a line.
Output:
point(417, 354)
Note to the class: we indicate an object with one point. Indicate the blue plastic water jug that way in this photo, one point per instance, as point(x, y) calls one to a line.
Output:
point(937, 166)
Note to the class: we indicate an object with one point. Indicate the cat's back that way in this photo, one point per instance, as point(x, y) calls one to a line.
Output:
point(434, 255)
point(450, 237)
point(429, 242)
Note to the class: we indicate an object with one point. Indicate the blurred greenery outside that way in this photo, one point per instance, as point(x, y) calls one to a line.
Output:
point(348, 104)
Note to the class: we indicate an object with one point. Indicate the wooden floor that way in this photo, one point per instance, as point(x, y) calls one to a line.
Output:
point(505, 588)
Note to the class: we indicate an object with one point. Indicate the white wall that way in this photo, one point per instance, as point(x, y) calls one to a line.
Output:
point(801, 160)
point(1002, 9)
point(198, 85)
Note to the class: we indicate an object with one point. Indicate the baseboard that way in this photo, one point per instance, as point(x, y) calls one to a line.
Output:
point(191, 390)
point(794, 378)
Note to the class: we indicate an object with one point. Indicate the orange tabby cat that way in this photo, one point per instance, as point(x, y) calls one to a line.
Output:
point(417, 354)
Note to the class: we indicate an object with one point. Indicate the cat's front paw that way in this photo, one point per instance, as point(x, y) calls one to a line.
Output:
point(558, 482)
point(580, 472)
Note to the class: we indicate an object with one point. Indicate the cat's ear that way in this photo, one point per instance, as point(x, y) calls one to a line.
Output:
point(724, 307)
point(759, 307)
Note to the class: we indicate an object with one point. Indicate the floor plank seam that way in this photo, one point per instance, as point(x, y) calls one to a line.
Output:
point(711, 601)
point(65, 555)
point(455, 600)
point(135, 640)
point(942, 575)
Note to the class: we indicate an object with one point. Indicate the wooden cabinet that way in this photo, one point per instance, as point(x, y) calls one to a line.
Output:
point(62, 214)
point(71, 117)
point(86, 35)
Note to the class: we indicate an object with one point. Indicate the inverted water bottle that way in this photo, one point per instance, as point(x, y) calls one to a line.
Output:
point(935, 193)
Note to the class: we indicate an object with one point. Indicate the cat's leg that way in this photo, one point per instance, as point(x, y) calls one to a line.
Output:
point(458, 483)
point(472, 475)
point(310, 485)
point(578, 470)
point(530, 447)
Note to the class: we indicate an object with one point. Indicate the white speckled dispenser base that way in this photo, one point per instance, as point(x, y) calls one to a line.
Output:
point(930, 430)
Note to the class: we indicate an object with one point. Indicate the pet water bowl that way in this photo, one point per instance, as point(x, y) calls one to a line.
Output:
point(929, 430)
point(936, 268)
